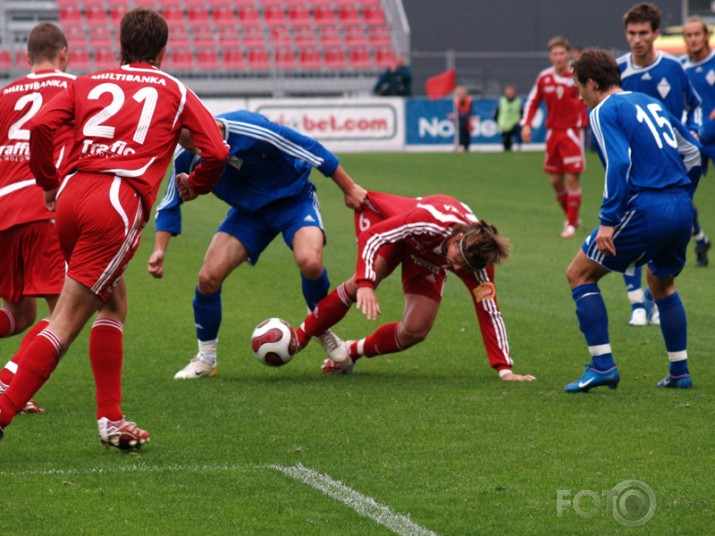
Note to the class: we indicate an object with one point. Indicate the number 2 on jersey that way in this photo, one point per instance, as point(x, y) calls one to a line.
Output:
point(95, 126)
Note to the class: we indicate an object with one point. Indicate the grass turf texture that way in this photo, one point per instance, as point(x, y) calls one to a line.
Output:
point(430, 433)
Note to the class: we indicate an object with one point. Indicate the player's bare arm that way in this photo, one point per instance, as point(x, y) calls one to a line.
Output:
point(355, 194)
point(155, 265)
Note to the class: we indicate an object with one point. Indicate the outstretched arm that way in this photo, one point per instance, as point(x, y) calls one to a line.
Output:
point(355, 194)
point(155, 266)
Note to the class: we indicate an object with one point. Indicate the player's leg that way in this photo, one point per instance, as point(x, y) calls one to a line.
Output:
point(634, 289)
point(223, 256)
point(573, 200)
point(307, 245)
point(74, 307)
point(17, 316)
point(702, 242)
point(573, 158)
point(583, 275)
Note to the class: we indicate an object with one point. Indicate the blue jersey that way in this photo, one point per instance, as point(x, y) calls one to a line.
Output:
point(702, 77)
point(643, 148)
point(665, 80)
point(267, 163)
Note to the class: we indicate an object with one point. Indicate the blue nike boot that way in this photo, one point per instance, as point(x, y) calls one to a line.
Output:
point(594, 378)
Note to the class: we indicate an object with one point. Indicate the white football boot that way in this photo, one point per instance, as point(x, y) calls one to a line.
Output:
point(197, 368)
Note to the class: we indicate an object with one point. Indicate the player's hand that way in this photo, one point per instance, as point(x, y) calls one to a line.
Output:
point(50, 199)
point(526, 134)
point(367, 303)
point(511, 377)
point(604, 240)
point(185, 191)
point(155, 266)
point(356, 197)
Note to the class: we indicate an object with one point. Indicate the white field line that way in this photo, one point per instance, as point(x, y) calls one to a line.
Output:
point(363, 505)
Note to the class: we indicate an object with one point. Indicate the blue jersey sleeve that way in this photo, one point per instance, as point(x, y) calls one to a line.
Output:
point(694, 103)
point(168, 213)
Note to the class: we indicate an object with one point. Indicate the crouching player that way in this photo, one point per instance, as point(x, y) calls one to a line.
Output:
point(428, 236)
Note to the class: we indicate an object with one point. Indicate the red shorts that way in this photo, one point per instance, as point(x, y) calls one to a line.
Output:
point(31, 263)
point(99, 222)
point(419, 276)
point(564, 152)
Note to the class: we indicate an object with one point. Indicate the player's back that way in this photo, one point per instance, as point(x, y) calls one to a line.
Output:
point(635, 127)
point(20, 201)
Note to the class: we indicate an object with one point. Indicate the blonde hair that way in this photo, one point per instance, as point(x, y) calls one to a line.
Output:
point(481, 245)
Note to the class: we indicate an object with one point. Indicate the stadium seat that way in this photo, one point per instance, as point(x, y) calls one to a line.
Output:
point(70, 15)
point(203, 36)
point(233, 59)
point(243, 3)
point(116, 13)
point(360, 58)
point(198, 15)
point(5, 59)
point(88, 3)
point(384, 56)
point(180, 59)
point(374, 16)
point(379, 36)
point(96, 15)
point(324, 16)
point(349, 15)
point(334, 58)
point(223, 16)
point(284, 58)
point(21, 59)
point(303, 36)
point(321, 2)
point(147, 3)
point(369, 2)
point(179, 36)
point(76, 35)
point(258, 59)
point(267, 3)
point(252, 36)
point(79, 59)
point(302, 3)
point(207, 58)
point(280, 36)
point(203, 3)
point(329, 36)
point(299, 15)
point(105, 58)
point(102, 36)
point(248, 15)
point(274, 15)
point(311, 58)
point(174, 16)
point(344, 2)
point(228, 36)
point(354, 36)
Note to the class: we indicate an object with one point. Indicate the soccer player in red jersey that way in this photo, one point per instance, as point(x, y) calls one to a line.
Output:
point(428, 236)
point(565, 120)
point(32, 264)
point(127, 121)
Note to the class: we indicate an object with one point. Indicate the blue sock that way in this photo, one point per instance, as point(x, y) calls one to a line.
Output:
point(593, 322)
point(315, 290)
point(674, 325)
point(207, 315)
point(696, 222)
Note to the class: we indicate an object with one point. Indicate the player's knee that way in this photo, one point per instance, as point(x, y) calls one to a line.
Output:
point(409, 336)
point(311, 267)
point(209, 282)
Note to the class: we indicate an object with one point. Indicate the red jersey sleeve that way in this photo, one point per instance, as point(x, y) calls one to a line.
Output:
point(532, 103)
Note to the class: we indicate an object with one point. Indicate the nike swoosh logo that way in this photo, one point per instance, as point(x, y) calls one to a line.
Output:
point(581, 385)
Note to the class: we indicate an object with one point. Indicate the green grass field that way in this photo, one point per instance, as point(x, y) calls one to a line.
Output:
point(425, 442)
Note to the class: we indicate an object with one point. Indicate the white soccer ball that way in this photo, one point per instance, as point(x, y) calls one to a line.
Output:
point(274, 342)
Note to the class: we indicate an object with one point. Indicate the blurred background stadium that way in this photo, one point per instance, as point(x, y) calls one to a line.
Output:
point(284, 48)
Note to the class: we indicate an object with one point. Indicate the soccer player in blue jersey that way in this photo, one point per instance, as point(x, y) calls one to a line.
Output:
point(661, 76)
point(267, 185)
point(699, 65)
point(652, 166)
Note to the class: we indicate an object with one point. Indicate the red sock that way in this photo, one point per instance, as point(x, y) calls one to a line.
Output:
point(561, 199)
point(38, 361)
point(7, 323)
point(7, 373)
point(105, 355)
point(383, 341)
point(573, 206)
point(328, 312)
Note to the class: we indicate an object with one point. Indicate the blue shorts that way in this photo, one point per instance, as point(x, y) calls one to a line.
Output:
point(255, 230)
point(655, 229)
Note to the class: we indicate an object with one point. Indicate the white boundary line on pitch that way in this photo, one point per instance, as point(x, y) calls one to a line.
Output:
point(363, 505)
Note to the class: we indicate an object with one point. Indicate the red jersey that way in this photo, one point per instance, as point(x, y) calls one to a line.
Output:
point(564, 109)
point(20, 201)
point(422, 224)
point(127, 121)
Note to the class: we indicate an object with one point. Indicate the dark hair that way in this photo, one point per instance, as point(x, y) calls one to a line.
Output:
point(482, 245)
point(45, 42)
point(598, 65)
point(643, 12)
point(143, 33)
point(558, 41)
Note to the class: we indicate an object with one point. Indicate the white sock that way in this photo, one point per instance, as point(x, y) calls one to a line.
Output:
point(207, 351)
